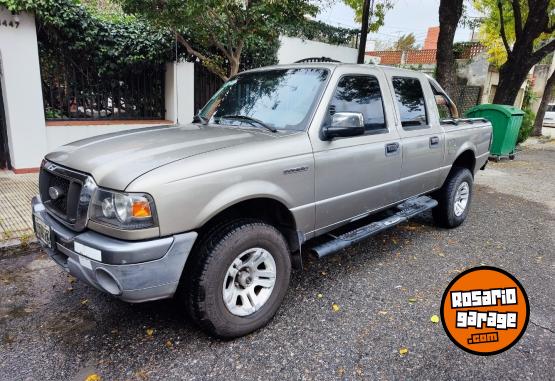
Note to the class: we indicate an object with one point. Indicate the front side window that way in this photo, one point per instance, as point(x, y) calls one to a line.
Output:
point(410, 98)
point(360, 93)
point(283, 98)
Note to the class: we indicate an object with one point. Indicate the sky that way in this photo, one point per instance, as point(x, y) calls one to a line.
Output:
point(408, 16)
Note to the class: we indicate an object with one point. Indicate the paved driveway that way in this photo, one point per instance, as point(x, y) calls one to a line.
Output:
point(387, 289)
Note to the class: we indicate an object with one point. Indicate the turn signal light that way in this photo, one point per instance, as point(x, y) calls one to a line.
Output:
point(141, 209)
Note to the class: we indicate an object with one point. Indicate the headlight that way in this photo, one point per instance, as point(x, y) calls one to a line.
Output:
point(123, 210)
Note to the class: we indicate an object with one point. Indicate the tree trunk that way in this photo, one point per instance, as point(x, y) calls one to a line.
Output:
point(450, 12)
point(546, 98)
point(521, 57)
point(511, 76)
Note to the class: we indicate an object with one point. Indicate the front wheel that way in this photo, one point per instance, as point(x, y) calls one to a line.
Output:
point(238, 279)
point(454, 199)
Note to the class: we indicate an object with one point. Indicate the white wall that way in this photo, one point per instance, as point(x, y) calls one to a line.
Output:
point(21, 90)
point(293, 49)
point(180, 104)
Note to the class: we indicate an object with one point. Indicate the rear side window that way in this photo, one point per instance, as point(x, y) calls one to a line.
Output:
point(410, 97)
point(360, 93)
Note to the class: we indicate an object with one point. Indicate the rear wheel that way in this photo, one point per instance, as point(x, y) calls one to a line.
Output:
point(238, 278)
point(454, 199)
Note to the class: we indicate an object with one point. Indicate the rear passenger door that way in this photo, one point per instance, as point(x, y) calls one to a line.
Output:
point(422, 137)
point(355, 175)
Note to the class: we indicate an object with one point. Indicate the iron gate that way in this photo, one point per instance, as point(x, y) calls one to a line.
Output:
point(4, 151)
point(206, 84)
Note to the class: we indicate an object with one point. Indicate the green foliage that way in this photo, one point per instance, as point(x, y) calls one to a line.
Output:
point(319, 31)
point(489, 33)
point(527, 125)
point(406, 42)
point(65, 27)
point(376, 17)
point(217, 31)
point(529, 116)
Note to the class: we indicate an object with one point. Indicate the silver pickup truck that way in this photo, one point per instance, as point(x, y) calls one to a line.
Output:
point(215, 212)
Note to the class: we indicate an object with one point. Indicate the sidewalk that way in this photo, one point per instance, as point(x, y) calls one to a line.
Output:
point(16, 192)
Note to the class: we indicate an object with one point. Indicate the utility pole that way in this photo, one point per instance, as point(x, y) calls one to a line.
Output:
point(364, 30)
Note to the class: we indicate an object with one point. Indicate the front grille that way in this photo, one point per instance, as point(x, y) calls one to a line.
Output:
point(73, 191)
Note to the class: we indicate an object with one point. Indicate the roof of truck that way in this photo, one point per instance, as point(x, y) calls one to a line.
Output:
point(334, 65)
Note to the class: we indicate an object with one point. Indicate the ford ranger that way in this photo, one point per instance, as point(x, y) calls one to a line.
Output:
point(215, 212)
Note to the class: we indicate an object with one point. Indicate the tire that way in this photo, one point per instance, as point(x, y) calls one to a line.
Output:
point(448, 213)
point(213, 262)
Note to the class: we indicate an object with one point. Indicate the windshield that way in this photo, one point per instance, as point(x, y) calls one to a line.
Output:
point(282, 99)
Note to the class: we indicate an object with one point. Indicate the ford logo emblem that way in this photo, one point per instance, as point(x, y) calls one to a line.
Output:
point(55, 193)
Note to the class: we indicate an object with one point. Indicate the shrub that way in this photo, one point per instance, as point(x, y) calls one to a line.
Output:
point(527, 125)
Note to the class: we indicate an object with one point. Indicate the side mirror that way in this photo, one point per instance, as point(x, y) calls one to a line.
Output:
point(344, 124)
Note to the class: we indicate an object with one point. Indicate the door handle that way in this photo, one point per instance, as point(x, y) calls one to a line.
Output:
point(391, 149)
point(434, 141)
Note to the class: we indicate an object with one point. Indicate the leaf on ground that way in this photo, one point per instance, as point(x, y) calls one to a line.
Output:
point(149, 331)
point(412, 300)
point(319, 296)
point(84, 301)
point(403, 351)
point(394, 241)
point(169, 344)
point(71, 279)
point(323, 273)
point(382, 312)
point(335, 307)
point(435, 319)
point(93, 377)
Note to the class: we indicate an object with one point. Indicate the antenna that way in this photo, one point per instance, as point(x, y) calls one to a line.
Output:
point(175, 83)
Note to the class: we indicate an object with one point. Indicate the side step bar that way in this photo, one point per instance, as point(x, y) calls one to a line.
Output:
point(407, 209)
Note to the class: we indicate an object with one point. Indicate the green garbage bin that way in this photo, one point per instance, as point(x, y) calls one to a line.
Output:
point(506, 121)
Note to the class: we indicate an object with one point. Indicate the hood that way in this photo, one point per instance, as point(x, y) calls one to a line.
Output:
point(115, 160)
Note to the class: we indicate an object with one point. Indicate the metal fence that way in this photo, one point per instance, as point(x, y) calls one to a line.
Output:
point(466, 97)
point(206, 84)
point(74, 92)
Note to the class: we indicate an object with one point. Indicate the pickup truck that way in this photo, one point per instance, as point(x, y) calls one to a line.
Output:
point(216, 212)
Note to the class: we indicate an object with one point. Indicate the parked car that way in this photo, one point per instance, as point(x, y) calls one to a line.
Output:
point(549, 117)
point(216, 212)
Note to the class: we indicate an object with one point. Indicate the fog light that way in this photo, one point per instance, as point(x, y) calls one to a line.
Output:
point(108, 282)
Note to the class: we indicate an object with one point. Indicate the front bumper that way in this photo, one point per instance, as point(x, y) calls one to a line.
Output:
point(133, 271)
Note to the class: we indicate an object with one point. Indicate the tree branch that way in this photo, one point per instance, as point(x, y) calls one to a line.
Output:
point(518, 18)
point(205, 60)
point(543, 51)
point(502, 27)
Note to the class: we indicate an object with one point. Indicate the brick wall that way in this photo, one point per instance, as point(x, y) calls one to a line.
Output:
point(431, 38)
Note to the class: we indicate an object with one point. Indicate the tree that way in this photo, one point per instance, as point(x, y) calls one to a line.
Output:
point(518, 34)
point(406, 42)
point(546, 98)
point(377, 13)
point(450, 12)
point(371, 14)
point(216, 31)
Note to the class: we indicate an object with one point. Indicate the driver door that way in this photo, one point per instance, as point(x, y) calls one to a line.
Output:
point(356, 175)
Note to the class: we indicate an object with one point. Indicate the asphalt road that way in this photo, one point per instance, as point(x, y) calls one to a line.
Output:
point(386, 288)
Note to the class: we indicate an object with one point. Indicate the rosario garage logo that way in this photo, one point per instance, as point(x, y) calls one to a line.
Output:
point(485, 310)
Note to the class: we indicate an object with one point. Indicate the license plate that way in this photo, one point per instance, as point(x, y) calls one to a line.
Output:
point(42, 231)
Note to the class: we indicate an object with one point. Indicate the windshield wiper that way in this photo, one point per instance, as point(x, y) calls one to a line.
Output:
point(199, 118)
point(250, 120)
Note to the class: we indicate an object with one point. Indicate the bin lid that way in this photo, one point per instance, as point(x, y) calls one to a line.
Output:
point(505, 109)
